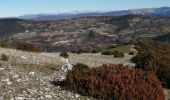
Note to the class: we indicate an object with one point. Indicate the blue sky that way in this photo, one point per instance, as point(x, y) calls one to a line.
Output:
point(10, 8)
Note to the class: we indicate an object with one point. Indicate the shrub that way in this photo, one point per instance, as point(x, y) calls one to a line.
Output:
point(113, 46)
point(95, 51)
point(10, 26)
point(136, 47)
point(107, 53)
point(80, 66)
point(27, 47)
point(64, 55)
point(79, 51)
point(115, 53)
point(154, 56)
point(118, 54)
point(131, 53)
point(110, 82)
point(4, 57)
point(7, 46)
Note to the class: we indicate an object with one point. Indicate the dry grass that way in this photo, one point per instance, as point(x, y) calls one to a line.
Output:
point(54, 59)
point(45, 67)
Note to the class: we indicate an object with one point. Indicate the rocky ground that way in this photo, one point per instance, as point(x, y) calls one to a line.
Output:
point(167, 94)
point(29, 75)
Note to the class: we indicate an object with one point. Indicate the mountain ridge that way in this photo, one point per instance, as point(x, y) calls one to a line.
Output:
point(157, 12)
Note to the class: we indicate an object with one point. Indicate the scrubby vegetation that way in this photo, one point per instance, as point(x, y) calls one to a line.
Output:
point(115, 53)
point(112, 82)
point(118, 54)
point(122, 21)
point(79, 51)
point(131, 53)
point(4, 57)
point(86, 50)
point(97, 32)
point(125, 48)
point(10, 26)
point(80, 66)
point(64, 55)
point(163, 38)
point(5, 45)
point(107, 53)
point(154, 56)
point(27, 47)
point(95, 51)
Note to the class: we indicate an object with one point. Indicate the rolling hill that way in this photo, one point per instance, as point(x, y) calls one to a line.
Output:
point(163, 38)
point(82, 34)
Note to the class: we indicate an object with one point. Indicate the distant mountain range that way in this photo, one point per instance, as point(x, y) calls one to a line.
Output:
point(158, 12)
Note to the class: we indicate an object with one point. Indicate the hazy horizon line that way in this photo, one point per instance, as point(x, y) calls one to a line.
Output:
point(78, 12)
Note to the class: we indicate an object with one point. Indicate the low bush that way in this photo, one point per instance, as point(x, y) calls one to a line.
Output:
point(7, 46)
point(64, 55)
point(136, 47)
point(115, 53)
point(114, 82)
point(79, 51)
point(154, 56)
point(95, 51)
point(107, 53)
point(131, 53)
point(80, 66)
point(110, 47)
point(27, 47)
point(4, 57)
point(118, 54)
